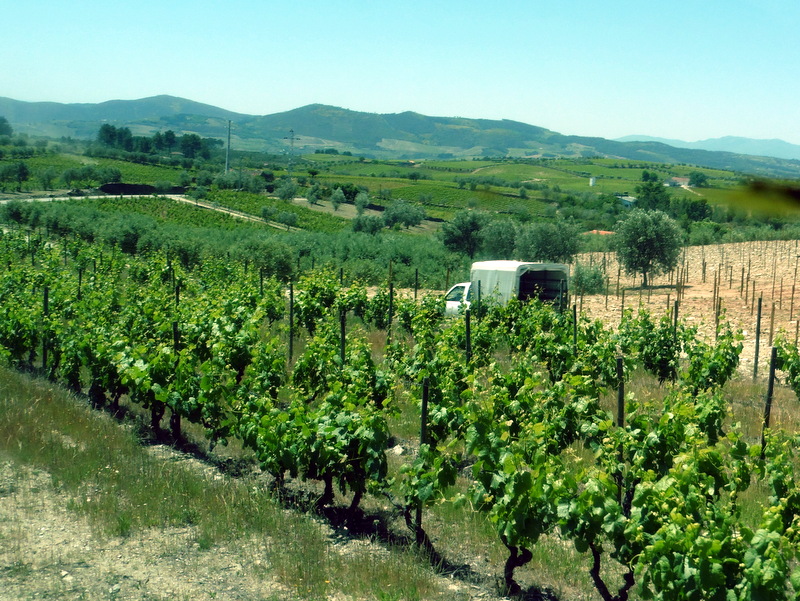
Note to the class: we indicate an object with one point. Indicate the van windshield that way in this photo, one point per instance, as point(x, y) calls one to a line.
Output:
point(456, 294)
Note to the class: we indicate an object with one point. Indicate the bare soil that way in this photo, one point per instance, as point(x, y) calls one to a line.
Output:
point(768, 268)
point(47, 551)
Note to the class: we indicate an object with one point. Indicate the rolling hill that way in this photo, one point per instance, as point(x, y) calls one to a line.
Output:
point(389, 136)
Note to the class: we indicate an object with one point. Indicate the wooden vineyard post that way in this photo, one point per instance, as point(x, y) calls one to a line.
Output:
point(675, 320)
point(291, 321)
point(758, 339)
point(175, 417)
point(620, 416)
point(620, 391)
point(391, 311)
point(574, 328)
point(423, 439)
point(342, 334)
point(468, 335)
point(45, 333)
point(771, 324)
point(768, 401)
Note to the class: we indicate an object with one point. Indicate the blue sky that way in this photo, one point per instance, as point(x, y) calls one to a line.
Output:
point(684, 69)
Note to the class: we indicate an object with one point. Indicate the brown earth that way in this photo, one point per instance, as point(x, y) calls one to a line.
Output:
point(768, 268)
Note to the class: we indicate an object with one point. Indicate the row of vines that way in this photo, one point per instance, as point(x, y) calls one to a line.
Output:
point(513, 401)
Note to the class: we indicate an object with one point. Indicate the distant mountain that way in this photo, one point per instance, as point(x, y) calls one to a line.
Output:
point(405, 135)
point(769, 148)
point(83, 120)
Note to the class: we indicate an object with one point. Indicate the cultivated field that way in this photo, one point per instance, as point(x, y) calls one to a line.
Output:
point(742, 271)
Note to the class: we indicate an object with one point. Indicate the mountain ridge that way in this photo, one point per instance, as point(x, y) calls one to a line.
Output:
point(405, 135)
point(773, 147)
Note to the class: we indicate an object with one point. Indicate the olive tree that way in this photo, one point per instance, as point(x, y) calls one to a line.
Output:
point(337, 198)
point(648, 242)
point(556, 241)
point(287, 190)
point(463, 234)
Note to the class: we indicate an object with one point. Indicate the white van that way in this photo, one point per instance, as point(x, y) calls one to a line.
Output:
point(501, 281)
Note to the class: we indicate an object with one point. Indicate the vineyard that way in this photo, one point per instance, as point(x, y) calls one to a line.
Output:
point(516, 414)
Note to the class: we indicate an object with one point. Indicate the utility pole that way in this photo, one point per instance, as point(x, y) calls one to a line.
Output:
point(290, 137)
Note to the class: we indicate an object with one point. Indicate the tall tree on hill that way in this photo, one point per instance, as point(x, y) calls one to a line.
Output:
point(648, 242)
point(191, 144)
point(5, 127)
point(169, 139)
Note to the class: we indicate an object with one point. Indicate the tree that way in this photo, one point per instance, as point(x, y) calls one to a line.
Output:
point(555, 242)
point(107, 135)
point(362, 202)
point(698, 179)
point(287, 218)
point(268, 213)
point(464, 233)
point(499, 239)
point(5, 127)
point(652, 195)
point(337, 198)
point(369, 224)
point(404, 213)
point(47, 177)
point(287, 190)
point(15, 172)
point(314, 194)
point(109, 175)
point(169, 139)
point(648, 242)
point(191, 145)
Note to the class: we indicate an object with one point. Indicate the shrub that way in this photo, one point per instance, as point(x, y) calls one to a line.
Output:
point(587, 279)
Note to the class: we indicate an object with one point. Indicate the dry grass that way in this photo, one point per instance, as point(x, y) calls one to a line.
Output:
point(99, 474)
